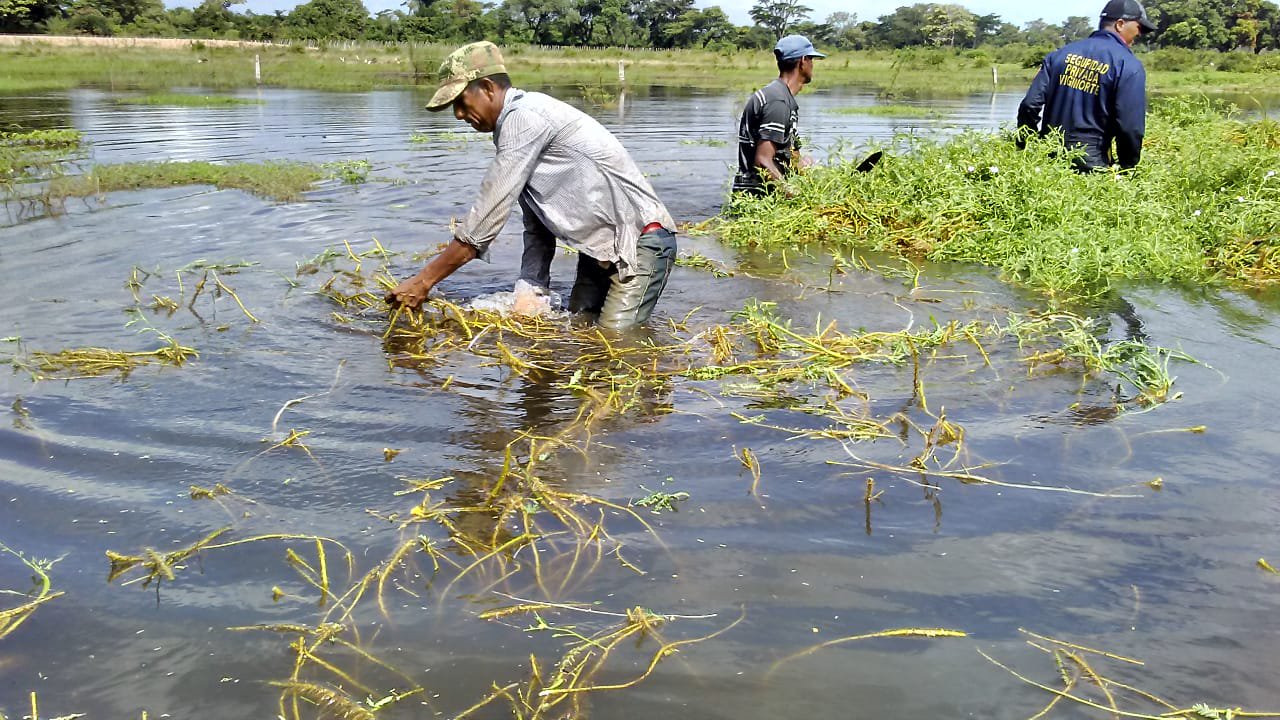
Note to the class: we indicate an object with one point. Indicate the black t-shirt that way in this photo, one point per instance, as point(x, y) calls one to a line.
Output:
point(771, 114)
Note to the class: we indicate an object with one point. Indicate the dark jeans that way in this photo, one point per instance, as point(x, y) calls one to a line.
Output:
point(619, 305)
point(1096, 155)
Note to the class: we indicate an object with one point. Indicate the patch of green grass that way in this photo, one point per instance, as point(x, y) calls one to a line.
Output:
point(351, 172)
point(187, 100)
point(42, 139)
point(708, 141)
point(1203, 206)
point(446, 138)
point(11, 84)
point(33, 155)
point(273, 180)
point(911, 111)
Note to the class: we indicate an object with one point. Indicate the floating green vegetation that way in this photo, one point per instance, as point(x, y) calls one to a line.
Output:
point(207, 281)
point(1144, 368)
point(276, 180)
point(187, 100)
point(26, 601)
point(894, 633)
point(448, 138)
point(708, 141)
point(1204, 205)
point(557, 690)
point(351, 172)
point(43, 139)
point(698, 261)
point(79, 363)
point(895, 110)
point(1079, 685)
point(660, 500)
point(31, 156)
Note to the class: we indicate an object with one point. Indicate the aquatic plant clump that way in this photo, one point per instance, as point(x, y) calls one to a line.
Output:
point(1204, 205)
point(278, 180)
point(32, 155)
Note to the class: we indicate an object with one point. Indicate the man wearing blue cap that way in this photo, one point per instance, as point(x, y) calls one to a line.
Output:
point(768, 141)
point(1094, 91)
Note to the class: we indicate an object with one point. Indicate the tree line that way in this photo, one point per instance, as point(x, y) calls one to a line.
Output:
point(1246, 25)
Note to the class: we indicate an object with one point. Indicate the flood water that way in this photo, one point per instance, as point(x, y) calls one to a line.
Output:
point(86, 466)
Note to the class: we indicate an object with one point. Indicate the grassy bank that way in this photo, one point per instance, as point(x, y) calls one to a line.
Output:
point(31, 67)
point(187, 100)
point(1204, 205)
point(918, 72)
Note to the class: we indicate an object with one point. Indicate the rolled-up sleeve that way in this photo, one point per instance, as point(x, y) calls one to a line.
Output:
point(520, 142)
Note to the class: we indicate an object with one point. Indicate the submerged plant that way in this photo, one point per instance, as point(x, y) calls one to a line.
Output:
point(12, 616)
point(1081, 686)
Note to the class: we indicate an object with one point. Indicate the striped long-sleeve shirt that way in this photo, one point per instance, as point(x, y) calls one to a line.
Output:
point(572, 178)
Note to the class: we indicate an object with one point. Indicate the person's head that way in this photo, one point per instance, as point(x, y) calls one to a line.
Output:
point(474, 81)
point(1126, 18)
point(795, 54)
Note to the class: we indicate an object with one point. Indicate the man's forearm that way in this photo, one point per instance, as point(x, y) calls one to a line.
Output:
point(447, 262)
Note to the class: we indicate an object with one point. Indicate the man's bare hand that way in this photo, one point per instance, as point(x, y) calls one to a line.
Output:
point(411, 293)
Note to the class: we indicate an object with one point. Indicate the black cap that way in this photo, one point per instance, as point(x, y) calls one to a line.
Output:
point(1128, 10)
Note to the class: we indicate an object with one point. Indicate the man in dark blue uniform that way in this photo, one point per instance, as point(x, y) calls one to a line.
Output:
point(1095, 91)
point(768, 139)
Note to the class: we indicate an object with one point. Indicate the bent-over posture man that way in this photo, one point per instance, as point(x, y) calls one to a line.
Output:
point(1095, 91)
point(768, 140)
point(573, 180)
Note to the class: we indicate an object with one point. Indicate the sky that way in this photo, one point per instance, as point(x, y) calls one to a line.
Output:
point(1014, 11)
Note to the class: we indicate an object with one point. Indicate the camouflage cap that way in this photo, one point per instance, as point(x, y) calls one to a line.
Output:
point(469, 62)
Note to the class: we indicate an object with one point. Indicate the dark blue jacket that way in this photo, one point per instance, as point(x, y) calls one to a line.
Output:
point(1094, 91)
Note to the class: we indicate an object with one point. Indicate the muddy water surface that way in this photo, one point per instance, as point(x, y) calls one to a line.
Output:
point(86, 466)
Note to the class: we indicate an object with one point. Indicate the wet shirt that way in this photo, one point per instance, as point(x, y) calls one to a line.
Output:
point(572, 178)
point(1094, 91)
point(772, 114)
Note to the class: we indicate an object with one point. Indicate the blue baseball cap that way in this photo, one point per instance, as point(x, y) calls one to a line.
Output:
point(794, 47)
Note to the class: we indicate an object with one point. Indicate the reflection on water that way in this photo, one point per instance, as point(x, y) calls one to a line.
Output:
point(96, 465)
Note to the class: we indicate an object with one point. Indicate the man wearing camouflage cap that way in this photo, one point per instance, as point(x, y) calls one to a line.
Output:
point(574, 181)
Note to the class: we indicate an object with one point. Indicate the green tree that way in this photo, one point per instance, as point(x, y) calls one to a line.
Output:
point(949, 25)
point(1039, 32)
point(901, 28)
point(845, 32)
point(85, 18)
point(1076, 27)
point(24, 16)
point(328, 20)
point(213, 18)
point(701, 28)
point(1186, 34)
point(542, 18)
point(778, 15)
point(654, 16)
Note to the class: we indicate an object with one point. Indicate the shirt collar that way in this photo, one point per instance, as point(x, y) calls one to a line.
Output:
point(1112, 34)
point(508, 104)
